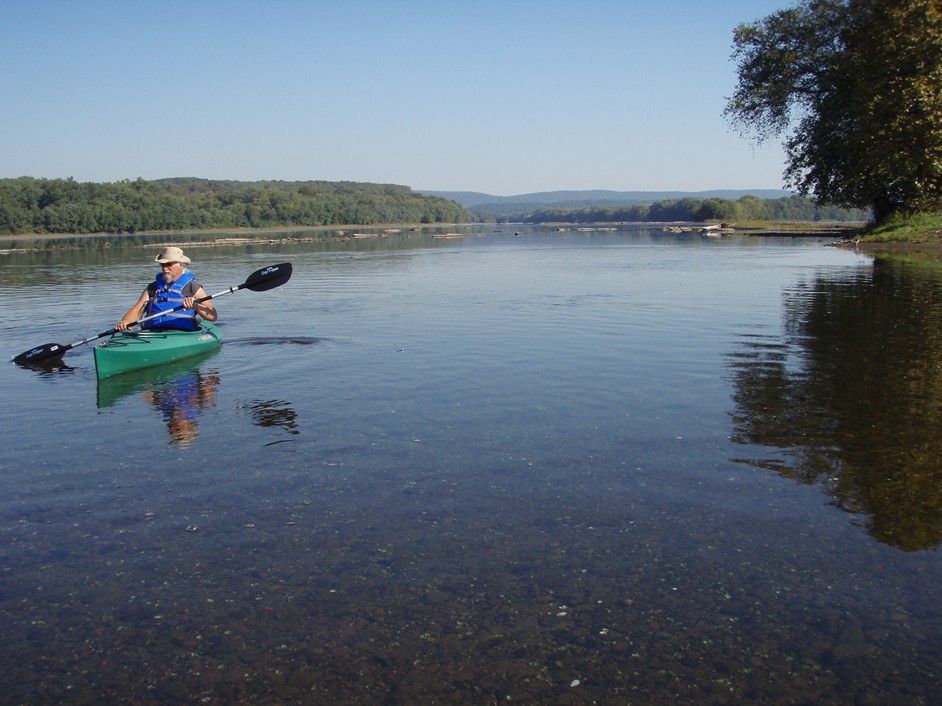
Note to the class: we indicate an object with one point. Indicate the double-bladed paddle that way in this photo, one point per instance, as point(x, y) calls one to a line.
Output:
point(259, 281)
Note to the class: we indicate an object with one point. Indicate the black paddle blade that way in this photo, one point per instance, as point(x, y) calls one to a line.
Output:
point(50, 351)
point(268, 277)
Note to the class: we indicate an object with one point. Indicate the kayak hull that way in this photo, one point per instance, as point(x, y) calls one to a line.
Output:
point(133, 350)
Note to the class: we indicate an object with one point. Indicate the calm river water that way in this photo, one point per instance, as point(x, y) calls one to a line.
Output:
point(614, 467)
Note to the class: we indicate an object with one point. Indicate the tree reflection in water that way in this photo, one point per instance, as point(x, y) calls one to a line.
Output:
point(852, 394)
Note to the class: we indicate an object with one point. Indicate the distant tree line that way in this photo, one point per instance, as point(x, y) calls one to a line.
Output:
point(747, 208)
point(29, 205)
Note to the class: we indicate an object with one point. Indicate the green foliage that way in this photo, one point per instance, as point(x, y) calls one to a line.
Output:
point(916, 228)
point(747, 208)
point(858, 83)
point(30, 205)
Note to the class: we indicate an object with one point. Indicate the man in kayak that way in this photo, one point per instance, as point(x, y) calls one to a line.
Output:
point(174, 286)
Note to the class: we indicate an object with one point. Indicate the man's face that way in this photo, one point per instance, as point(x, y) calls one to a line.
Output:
point(171, 271)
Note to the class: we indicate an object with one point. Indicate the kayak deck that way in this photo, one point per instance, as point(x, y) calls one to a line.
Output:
point(133, 350)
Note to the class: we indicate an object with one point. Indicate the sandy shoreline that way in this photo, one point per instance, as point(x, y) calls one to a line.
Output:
point(788, 229)
point(227, 231)
point(931, 251)
point(343, 233)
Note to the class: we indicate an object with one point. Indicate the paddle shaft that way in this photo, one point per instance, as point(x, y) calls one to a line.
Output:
point(55, 350)
point(140, 321)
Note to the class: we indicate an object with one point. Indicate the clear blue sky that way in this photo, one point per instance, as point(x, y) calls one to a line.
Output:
point(500, 96)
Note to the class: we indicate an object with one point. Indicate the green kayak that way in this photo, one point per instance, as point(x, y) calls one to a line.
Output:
point(133, 350)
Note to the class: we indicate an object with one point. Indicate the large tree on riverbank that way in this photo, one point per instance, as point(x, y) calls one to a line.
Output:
point(856, 88)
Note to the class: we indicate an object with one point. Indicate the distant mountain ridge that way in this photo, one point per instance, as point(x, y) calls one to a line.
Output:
point(477, 201)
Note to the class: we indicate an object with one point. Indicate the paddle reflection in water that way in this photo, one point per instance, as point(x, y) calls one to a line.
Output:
point(274, 414)
point(851, 397)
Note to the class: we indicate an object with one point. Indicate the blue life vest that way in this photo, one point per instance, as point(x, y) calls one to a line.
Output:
point(164, 299)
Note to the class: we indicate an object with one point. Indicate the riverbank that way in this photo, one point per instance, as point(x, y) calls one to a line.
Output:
point(34, 242)
point(339, 230)
point(921, 229)
point(919, 234)
point(769, 228)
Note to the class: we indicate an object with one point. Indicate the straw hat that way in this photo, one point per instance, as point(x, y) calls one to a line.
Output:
point(172, 254)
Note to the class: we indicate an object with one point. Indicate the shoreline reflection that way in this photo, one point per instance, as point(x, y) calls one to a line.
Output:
point(851, 393)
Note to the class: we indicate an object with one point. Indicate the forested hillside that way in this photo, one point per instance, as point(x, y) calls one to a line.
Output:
point(747, 208)
point(29, 205)
point(476, 201)
point(647, 206)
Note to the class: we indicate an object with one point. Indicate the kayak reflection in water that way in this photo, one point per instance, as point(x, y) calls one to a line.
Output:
point(182, 400)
